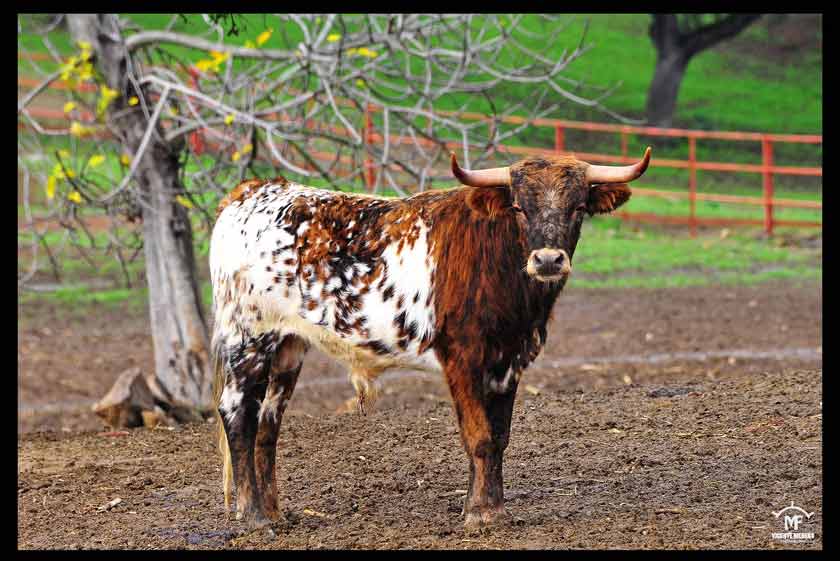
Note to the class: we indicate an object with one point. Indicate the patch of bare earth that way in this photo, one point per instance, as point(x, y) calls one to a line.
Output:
point(610, 447)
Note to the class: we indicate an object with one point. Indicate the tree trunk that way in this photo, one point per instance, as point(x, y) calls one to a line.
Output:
point(674, 49)
point(179, 332)
point(665, 87)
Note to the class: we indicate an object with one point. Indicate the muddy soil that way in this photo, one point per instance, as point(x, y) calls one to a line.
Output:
point(680, 418)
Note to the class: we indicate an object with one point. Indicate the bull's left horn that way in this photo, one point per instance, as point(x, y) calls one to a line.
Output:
point(493, 177)
point(618, 174)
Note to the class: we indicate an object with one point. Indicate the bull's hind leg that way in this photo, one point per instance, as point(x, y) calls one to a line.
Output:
point(247, 367)
point(285, 368)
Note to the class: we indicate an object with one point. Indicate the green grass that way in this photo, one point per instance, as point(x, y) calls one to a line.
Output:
point(607, 247)
point(81, 295)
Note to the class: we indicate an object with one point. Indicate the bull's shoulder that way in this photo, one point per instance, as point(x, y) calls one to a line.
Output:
point(245, 190)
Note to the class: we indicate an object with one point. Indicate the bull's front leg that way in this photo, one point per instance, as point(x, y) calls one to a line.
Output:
point(484, 417)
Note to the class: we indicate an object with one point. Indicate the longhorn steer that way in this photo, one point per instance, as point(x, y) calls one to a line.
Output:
point(460, 282)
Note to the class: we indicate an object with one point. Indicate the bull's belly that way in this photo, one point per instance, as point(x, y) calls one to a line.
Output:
point(376, 343)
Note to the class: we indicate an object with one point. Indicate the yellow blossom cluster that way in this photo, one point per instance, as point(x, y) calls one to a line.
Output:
point(261, 39)
point(362, 51)
point(245, 150)
point(78, 69)
point(60, 172)
point(214, 63)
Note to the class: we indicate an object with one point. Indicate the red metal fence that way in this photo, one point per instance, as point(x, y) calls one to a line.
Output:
point(766, 169)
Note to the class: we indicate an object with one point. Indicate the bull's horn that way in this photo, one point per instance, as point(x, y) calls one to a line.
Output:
point(618, 174)
point(493, 177)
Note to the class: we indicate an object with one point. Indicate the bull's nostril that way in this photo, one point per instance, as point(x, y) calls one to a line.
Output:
point(559, 259)
point(537, 259)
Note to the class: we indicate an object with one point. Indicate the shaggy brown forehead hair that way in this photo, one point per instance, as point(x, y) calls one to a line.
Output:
point(550, 172)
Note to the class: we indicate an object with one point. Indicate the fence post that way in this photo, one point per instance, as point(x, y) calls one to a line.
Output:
point(692, 185)
point(624, 144)
point(559, 139)
point(368, 138)
point(767, 162)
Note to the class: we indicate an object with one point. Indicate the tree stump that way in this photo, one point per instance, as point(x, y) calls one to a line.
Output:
point(130, 402)
point(135, 401)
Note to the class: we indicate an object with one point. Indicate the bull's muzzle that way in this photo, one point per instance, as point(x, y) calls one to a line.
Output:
point(549, 265)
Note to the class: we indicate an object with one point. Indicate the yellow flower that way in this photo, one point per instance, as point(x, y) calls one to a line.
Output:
point(204, 65)
point(85, 54)
point(69, 106)
point(63, 153)
point(364, 51)
point(247, 148)
point(96, 161)
point(68, 68)
point(107, 92)
point(59, 173)
point(77, 129)
point(125, 160)
point(360, 83)
point(236, 156)
point(264, 36)
point(51, 186)
point(86, 71)
point(105, 99)
point(333, 37)
point(84, 45)
point(229, 119)
point(75, 197)
point(133, 100)
point(183, 201)
point(218, 57)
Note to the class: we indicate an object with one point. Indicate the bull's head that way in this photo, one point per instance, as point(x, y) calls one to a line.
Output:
point(550, 197)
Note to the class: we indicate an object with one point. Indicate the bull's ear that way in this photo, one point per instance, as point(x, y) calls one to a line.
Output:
point(489, 202)
point(607, 197)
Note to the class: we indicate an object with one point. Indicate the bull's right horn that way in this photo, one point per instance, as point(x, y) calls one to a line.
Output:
point(493, 177)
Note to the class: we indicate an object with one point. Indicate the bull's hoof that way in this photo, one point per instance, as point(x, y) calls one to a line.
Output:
point(271, 509)
point(480, 519)
point(253, 518)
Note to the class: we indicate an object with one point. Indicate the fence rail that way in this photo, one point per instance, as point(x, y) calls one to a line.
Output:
point(767, 169)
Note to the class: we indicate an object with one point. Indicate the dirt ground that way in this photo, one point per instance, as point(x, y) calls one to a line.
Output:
point(677, 418)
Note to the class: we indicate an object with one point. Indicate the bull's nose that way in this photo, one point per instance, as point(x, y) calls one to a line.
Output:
point(549, 259)
point(549, 264)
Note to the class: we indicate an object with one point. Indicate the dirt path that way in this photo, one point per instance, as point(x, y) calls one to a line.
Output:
point(619, 468)
point(675, 418)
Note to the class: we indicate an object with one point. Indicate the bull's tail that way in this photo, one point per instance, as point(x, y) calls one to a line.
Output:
point(224, 449)
point(364, 382)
